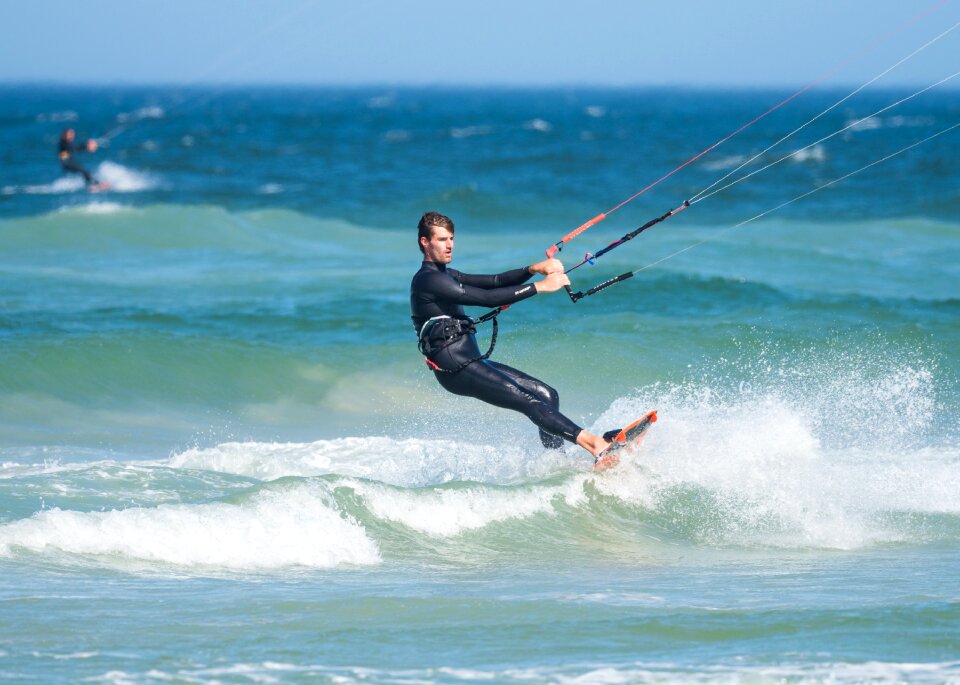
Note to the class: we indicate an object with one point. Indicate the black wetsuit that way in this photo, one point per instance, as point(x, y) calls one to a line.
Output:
point(437, 291)
point(65, 151)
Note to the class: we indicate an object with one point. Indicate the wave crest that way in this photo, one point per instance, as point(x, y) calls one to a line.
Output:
point(275, 528)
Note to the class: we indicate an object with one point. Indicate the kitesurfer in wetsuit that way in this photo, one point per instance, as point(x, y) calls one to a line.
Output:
point(68, 147)
point(437, 297)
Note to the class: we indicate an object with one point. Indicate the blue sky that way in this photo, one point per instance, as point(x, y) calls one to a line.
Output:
point(753, 43)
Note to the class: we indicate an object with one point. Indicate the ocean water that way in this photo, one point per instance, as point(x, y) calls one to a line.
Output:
point(222, 459)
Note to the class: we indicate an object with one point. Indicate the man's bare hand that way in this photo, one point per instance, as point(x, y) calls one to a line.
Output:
point(547, 266)
point(552, 282)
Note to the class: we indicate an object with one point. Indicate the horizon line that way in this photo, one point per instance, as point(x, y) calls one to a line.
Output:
point(440, 85)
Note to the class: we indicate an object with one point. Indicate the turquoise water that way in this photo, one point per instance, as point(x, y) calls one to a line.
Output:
point(223, 460)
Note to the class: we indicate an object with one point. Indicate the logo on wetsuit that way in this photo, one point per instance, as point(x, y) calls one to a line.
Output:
point(522, 290)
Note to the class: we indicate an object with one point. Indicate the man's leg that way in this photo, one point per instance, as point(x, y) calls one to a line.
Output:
point(490, 383)
point(540, 389)
point(74, 168)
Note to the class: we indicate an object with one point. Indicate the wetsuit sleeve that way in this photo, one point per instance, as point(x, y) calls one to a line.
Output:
point(455, 292)
point(507, 278)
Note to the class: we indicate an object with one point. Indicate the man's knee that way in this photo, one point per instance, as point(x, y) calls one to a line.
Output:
point(546, 393)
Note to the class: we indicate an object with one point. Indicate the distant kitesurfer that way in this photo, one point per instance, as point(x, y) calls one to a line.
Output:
point(447, 334)
point(67, 148)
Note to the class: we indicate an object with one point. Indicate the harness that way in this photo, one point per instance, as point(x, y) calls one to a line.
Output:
point(446, 330)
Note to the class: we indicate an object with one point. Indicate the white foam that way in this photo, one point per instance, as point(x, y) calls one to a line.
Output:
point(723, 163)
point(470, 131)
point(270, 189)
point(817, 153)
point(151, 112)
point(877, 673)
point(66, 184)
point(813, 453)
point(769, 468)
point(909, 122)
point(445, 512)
point(595, 111)
point(120, 178)
point(409, 462)
point(124, 180)
point(98, 208)
point(865, 124)
point(541, 125)
point(17, 470)
point(639, 673)
point(273, 529)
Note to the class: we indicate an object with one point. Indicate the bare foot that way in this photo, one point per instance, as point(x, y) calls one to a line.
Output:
point(593, 444)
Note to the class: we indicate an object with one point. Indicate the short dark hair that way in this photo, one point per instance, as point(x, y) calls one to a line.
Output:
point(428, 221)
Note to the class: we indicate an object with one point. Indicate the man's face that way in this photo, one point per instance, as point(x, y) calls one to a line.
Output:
point(439, 248)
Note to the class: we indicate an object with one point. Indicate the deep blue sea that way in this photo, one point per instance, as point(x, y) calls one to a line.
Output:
point(223, 460)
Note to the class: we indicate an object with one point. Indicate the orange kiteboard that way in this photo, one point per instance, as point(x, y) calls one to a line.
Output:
point(631, 436)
